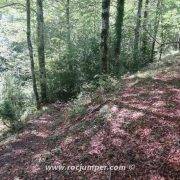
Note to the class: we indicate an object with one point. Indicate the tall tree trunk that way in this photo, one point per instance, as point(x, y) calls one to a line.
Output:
point(162, 43)
point(41, 51)
point(156, 27)
point(68, 35)
point(28, 16)
point(161, 34)
point(70, 60)
point(118, 29)
point(137, 36)
point(105, 34)
point(145, 54)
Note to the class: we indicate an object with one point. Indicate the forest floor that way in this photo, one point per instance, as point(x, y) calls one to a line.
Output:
point(139, 132)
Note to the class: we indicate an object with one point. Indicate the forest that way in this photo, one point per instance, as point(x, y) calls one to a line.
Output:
point(90, 89)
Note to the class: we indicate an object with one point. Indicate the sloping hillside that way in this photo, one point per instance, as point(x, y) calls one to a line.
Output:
point(137, 129)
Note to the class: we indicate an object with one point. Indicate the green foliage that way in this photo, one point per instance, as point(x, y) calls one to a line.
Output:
point(9, 116)
point(13, 103)
point(18, 47)
point(77, 109)
point(73, 55)
point(94, 92)
point(103, 83)
point(66, 76)
point(79, 105)
point(63, 84)
point(7, 111)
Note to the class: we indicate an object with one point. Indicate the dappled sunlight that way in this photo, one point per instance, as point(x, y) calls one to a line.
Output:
point(89, 90)
point(159, 104)
point(143, 133)
point(117, 142)
point(41, 134)
point(156, 177)
point(174, 158)
point(89, 132)
point(139, 126)
point(43, 120)
point(122, 117)
point(167, 76)
point(96, 143)
point(158, 91)
point(34, 169)
point(152, 149)
point(67, 142)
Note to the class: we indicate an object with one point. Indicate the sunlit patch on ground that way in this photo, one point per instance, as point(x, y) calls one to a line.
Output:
point(140, 126)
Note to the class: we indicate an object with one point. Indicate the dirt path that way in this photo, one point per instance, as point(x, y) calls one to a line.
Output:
point(141, 129)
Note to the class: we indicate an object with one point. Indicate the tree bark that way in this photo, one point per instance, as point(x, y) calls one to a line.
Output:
point(105, 34)
point(145, 54)
point(156, 27)
point(41, 51)
point(137, 36)
point(118, 29)
point(68, 24)
point(30, 48)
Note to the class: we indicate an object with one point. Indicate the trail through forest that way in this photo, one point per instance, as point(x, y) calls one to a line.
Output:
point(140, 127)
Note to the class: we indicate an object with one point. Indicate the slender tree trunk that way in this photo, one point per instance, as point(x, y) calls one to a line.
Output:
point(28, 15)
point(70, 60)
point(68, 23)
point(145, 54)
point(68, 34)
point(105, 34)
point(41, 51)
point(162, 44)
point(137, 36)
point(156, 27)
point(118, 29)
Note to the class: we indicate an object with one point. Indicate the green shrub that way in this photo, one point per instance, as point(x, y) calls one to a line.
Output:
point(103, 83)
point(7, 111)
point(13, 103)
point(79, 105)
point(9, 116)
point(63, 84)
point(77, 110)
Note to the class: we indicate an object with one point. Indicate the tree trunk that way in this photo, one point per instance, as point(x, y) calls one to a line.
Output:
point(68, 35)
point(137, 36)
point(156, 27)
point(162, 44)
point(41, 51)
point(28, 15)
point(145, 54)
point(105, 34)
point(118, 29)
point(68, 23)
